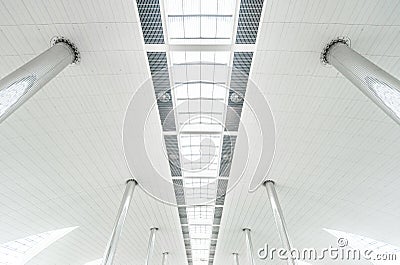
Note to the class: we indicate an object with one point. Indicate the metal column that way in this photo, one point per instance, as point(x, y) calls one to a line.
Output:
point(235, 258)
point(381, 87)
point(150, 247)
point(279, 219)
point(250, 251)
point(20, 85)
point(119, 223)
point(164, 258)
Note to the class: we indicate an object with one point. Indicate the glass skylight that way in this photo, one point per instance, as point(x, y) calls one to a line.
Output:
point(202, 215)
point(199, 243)
point(199, 111)
point(200, 21)
point(189, 57)
point(200, 96)
point(20, 251)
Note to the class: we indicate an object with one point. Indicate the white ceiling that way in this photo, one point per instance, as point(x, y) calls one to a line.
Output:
point(336, 163)
point(61, 159)
point(61, 154)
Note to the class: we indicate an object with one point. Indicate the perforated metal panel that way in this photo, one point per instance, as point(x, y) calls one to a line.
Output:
point(239, 79)
point(179, 191)
point(171, 144)
point(228, 146)
point(161, 83)
point(249, 20)
point(150, 19)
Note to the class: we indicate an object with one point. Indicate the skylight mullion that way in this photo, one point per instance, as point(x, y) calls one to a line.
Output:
point(200, 15)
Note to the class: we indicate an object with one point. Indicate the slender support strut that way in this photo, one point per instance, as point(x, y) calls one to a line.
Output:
point(235, 258)
point(279, 219)
point(381, 87)
point(150, 247)
point(249, 243)
point(17, 87)
point(119, 223)
point(164, 258)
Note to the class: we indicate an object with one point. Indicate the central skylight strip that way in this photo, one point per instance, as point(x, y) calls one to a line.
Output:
point(199, 115)
point(198, 41)
point(199, 15)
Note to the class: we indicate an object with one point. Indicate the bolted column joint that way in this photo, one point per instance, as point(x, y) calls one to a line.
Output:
point(70, 44)
point(325, 52)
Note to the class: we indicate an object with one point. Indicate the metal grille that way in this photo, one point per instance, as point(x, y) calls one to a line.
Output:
point(161, 83)
point(171, 144)
point(221, 191)
point(240, 76)
point(179, 191)
point(228, 146)
point(150, 19)
point(249, 20)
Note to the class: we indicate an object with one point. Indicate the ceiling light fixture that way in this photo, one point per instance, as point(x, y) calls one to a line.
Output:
point(164, 97)
point(236, 97)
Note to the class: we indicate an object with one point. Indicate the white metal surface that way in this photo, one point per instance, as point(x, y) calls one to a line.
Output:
point(164, 258)
point(334, 146)
point(235, 258)
point(62, 149)
point(150, 246)
point(111, 248)
point(249, 246)
point(377, 84)
point(24, 82)
point(279, 219)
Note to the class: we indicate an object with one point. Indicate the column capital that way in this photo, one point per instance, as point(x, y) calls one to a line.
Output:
point(72, 46)
point(327, 48)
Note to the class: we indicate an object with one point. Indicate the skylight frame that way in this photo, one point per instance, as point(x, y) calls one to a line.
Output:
point(200, 22)
point(205, 257)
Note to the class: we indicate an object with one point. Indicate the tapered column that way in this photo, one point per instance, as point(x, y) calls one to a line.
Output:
point(119, 223)
point(279, 219)
point(20, 85)
point(381, 87)
point(235, 258)
point(249, 243)
point(150, 247)
point(164, 258)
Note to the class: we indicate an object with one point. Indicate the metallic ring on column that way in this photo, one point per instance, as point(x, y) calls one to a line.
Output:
point(268, 180)
point(77, 54)
point(325, 52)
point(129, 180)
point(235, 258)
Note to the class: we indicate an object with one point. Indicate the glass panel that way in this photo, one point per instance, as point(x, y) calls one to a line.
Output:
point(199, 243)
point(200, 21)
point(200, 215)
point(200, 98)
